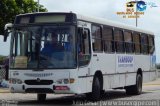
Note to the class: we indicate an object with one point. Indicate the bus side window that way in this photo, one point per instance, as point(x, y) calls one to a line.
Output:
point(107, 36)
point(128, 42)
point(118, 38)
point(97, 38)
point(151, 44)
point(144, 43)
point(137, 45)
point(84, 52)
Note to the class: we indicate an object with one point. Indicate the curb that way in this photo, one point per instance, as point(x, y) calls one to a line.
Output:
point(154, 82)
point(151, 84)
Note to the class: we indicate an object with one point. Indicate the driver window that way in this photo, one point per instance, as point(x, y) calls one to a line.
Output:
point(84, 52)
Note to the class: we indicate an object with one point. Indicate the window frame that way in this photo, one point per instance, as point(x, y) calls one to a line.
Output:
point(105, 40)
point(130, 43)
point(149, 44)
point(119, 41)
point(145, 44)
point(138, 43)
point(96, 38)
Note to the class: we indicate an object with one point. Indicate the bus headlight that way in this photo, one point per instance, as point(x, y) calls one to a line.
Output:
point(19, 81)
point(15, 81)
point(12, 81)
point(59, 81)
point(65, 81)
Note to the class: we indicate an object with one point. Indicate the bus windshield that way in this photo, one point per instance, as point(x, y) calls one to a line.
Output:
point(44, 47)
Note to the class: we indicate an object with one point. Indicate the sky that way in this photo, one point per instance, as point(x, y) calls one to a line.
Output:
point(105, 9)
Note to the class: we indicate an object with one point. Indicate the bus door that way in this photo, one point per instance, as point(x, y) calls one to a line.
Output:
point(84, 57)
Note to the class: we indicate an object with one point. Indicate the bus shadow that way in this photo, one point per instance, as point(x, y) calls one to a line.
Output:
point(76, 100)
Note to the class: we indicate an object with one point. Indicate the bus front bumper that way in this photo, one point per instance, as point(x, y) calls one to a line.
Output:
point(48, 81)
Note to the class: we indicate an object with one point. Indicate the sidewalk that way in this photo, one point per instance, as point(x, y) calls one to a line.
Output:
point(4, 86)
point(155, 82)
point(153, 86)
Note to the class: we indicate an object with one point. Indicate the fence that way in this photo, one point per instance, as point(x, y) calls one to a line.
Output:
point(158, 72)
point(2, 73)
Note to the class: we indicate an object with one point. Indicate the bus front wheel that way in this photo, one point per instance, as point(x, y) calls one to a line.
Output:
point(96, 91)
point(137, 88)
point(41, 97)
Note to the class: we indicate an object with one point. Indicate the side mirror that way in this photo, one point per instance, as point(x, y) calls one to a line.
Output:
point(8, 28)
point(5, 36)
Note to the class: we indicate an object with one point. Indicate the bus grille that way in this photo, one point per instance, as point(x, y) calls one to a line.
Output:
point(41, 82)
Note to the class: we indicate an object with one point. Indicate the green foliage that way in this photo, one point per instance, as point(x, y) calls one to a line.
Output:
point(2, 58)
point(10, 8)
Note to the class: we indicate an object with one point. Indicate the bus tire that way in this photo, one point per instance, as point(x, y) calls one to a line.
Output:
point(41, 97)
point(96, 91)
point(135, 89)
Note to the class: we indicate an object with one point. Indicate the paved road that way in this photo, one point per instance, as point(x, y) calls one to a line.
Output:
point(23, 99)
point(151, 94)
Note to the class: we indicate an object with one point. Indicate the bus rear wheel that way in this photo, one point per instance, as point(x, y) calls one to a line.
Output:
point(137, 88)
point(96, 91)
point(41, 97)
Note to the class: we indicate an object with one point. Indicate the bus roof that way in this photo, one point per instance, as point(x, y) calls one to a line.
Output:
point(112, 23)
point(100, 21)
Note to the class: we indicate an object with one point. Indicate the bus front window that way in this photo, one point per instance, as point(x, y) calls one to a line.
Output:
point(57, 47)
point(43, 47)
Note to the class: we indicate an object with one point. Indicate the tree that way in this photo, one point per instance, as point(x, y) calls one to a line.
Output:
point(11, 8)
point(2, 58)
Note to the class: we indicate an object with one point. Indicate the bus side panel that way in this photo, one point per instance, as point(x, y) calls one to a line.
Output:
point(119, 80)
point(82, 85)
point(122, 80)
point(107, 82)
point(103, 62)
point(143, 62)
point(114, 81)
point(110, 82)
point(130, 79)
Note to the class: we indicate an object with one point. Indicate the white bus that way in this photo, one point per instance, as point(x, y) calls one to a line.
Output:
point(91, 55)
